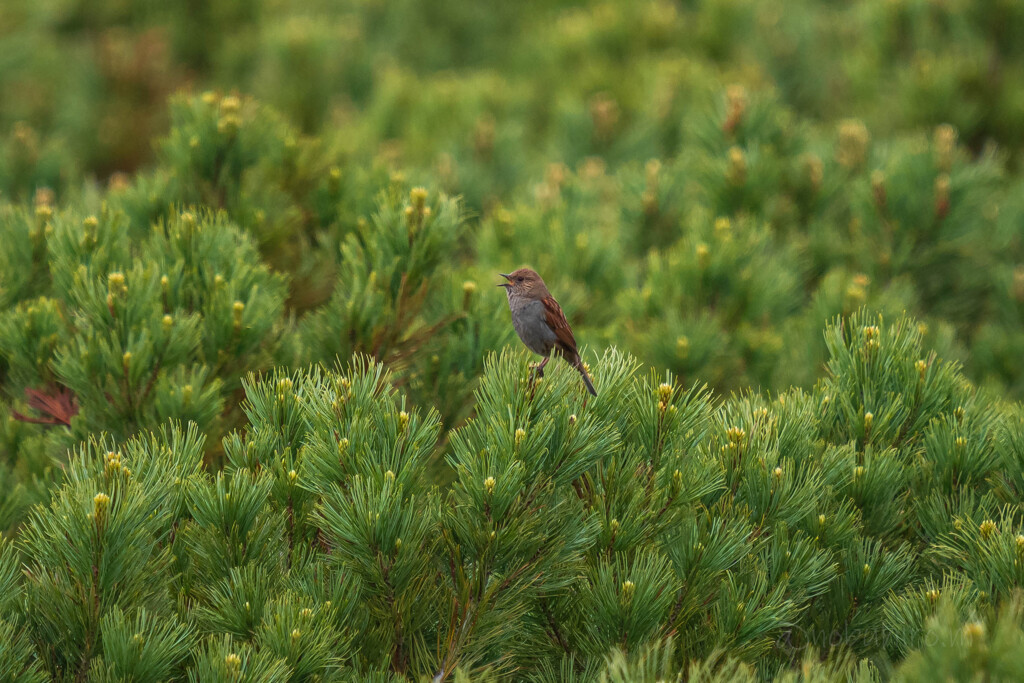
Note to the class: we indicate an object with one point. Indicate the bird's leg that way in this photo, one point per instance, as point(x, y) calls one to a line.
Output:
point(538, 368)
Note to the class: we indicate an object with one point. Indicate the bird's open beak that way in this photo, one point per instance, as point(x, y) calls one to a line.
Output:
point(504, 284)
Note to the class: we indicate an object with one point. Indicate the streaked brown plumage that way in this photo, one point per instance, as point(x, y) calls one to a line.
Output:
point(539, 321)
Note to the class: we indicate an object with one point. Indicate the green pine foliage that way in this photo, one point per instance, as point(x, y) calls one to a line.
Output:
point(263, 415)
point(678, 530)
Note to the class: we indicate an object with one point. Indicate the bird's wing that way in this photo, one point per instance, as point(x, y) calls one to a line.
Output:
point(557, 322)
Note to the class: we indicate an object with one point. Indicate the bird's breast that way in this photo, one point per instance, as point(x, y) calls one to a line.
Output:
point(530, 322)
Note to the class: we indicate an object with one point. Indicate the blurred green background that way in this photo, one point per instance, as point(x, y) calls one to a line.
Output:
point(414, 80)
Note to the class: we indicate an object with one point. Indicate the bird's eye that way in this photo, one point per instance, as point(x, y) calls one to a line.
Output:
point(520, 278)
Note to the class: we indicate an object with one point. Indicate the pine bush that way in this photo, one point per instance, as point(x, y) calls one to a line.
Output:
point(263, 416)
point(654, 521)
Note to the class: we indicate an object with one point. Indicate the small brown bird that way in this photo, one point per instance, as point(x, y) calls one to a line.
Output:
point(539, 321)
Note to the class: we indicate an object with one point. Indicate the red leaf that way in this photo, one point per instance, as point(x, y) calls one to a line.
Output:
point(57, 407)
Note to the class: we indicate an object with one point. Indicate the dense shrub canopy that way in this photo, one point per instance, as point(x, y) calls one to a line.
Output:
point(263, 415)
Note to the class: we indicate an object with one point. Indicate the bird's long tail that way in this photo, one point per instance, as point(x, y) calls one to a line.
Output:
point(577, 363)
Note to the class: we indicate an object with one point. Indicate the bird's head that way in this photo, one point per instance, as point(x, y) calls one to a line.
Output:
point(524, 282)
